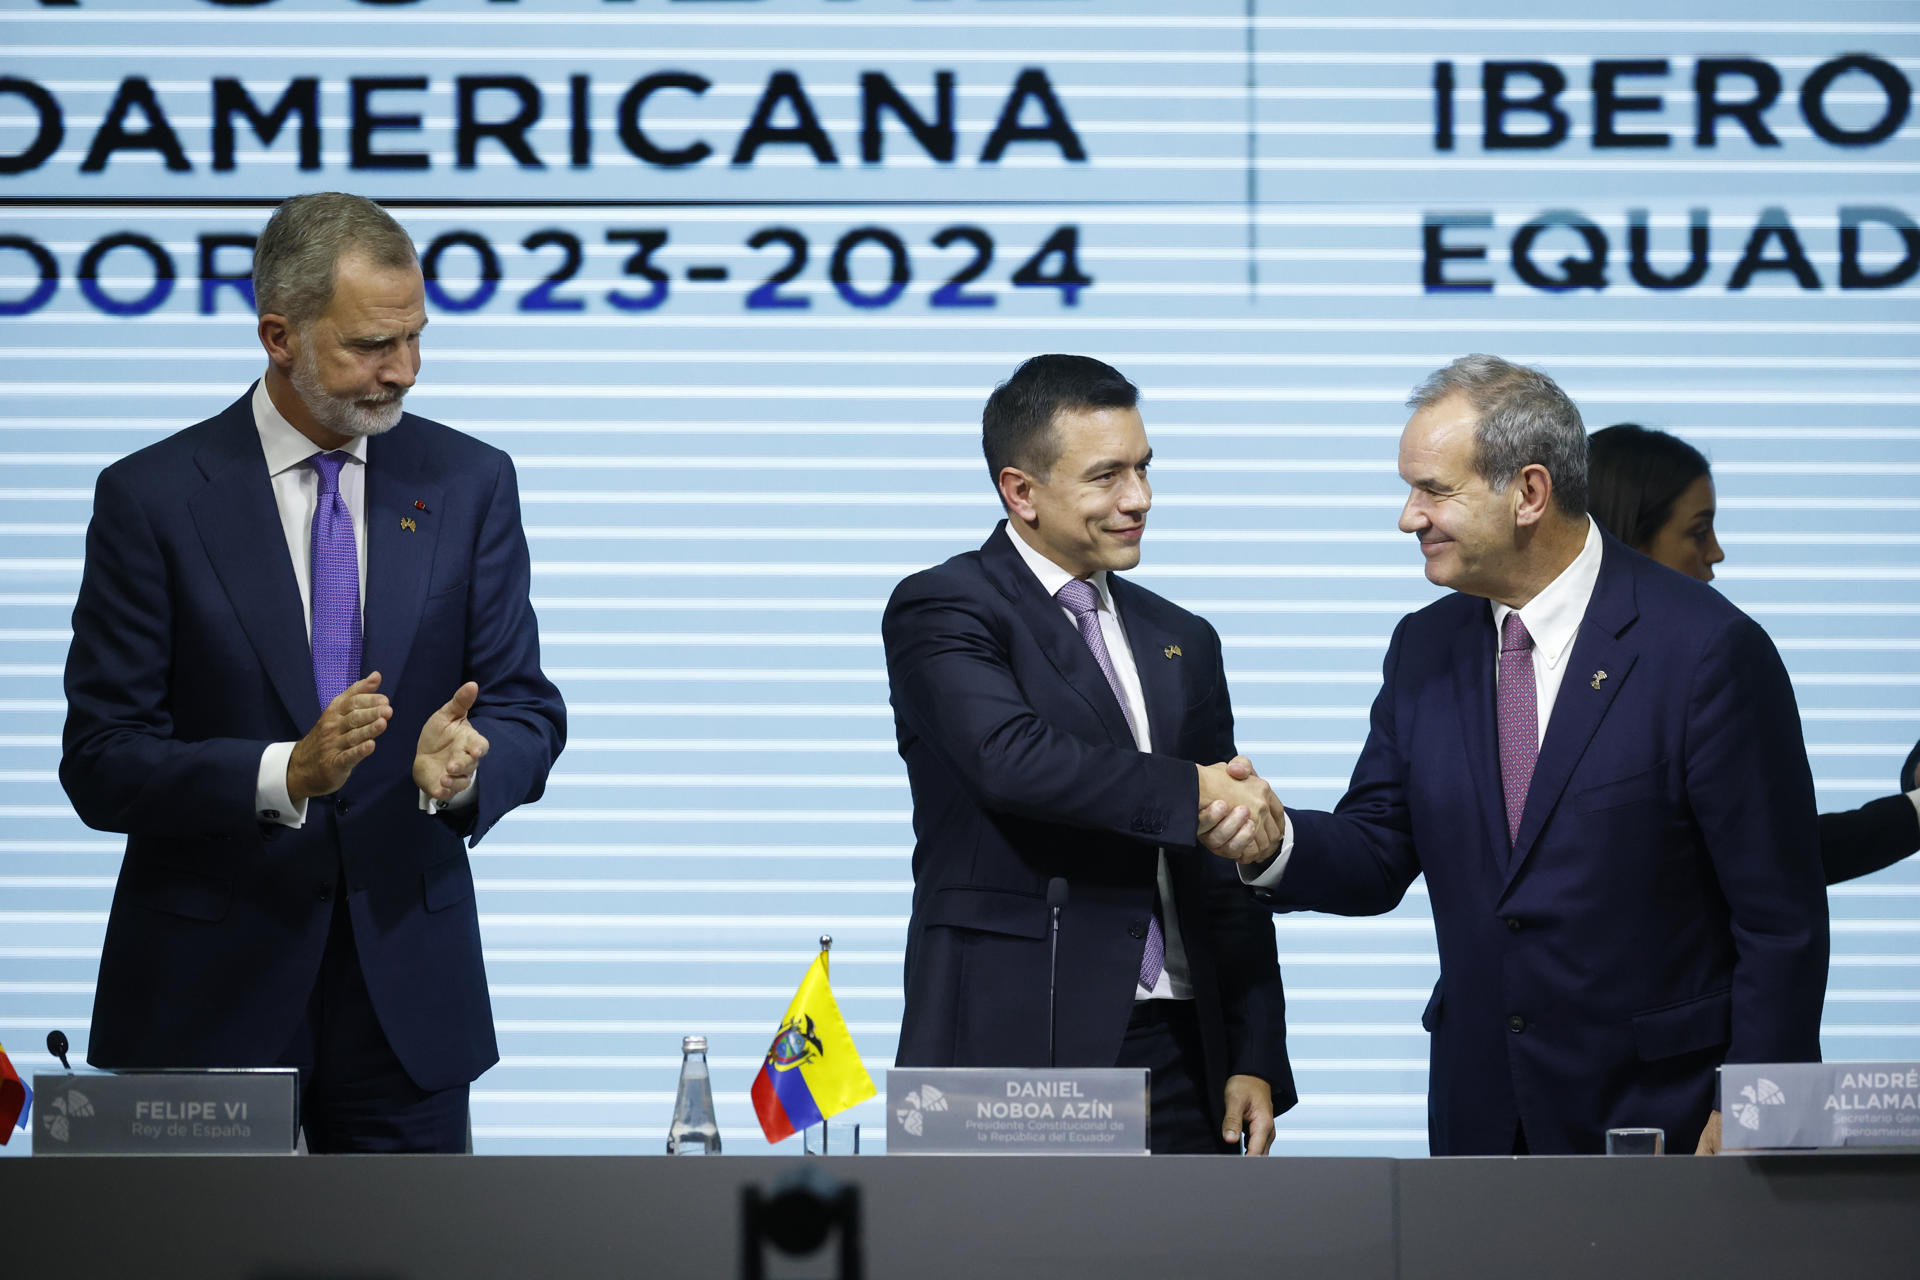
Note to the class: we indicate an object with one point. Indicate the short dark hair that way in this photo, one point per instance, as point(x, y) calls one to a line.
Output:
point(1525, 418)
point(1634, 475)
point(1016, 428)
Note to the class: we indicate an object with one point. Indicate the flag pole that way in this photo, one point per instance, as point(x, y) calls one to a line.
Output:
point(826, 945)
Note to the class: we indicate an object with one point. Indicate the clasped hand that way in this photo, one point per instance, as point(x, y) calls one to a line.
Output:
point(1240, 816)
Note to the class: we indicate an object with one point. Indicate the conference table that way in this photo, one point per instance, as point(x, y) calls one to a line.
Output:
point(1827, 1215)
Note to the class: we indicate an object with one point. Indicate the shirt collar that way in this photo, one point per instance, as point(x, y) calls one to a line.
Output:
point(1553, 616)
point(282, 442)
point(1053, 577)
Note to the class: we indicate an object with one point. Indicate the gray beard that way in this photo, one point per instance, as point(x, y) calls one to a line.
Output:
point(339, 414)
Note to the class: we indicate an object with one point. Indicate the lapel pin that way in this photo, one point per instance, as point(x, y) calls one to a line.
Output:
point(1173, 651)
point(419, 505)
point(407, 526)
point(1598, 676)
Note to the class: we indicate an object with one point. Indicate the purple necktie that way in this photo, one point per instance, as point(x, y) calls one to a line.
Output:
point(1519, 718)
point(1078, 598)
point(336, 585)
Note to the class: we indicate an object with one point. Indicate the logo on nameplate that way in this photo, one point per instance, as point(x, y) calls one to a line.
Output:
point(922, 1100)
point(60, 1113)
point(1762, 1093)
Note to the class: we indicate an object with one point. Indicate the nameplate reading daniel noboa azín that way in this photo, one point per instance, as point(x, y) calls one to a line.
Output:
point(1008, 1111)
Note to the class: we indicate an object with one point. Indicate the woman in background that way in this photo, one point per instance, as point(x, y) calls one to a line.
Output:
point(1654, 492)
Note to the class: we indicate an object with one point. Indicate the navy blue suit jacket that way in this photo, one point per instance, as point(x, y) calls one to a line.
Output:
point(190, 656)
point(1023, 768)
point(1873, 837)
point(1662, 910)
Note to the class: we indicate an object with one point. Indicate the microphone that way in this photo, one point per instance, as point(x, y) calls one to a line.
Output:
point(57, 1046)
point(1056, 899)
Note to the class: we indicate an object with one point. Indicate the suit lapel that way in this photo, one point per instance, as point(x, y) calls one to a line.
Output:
point(239, 526)
point(1158, 662)
point(1579, 706)
point(1058, 638)
point(401, 540)
point(1474, 707)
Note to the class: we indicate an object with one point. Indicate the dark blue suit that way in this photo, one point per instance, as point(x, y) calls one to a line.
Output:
point(190, 656)
point(1879, 833)
point(1662, 910)
point(1023, 768)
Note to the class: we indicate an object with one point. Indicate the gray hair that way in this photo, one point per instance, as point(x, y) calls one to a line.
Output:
point(295, 259)
point(1524, 418)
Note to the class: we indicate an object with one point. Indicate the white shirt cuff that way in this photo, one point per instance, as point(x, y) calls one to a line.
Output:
point(461, 800)
point(1915, 797)
point(271, 803)
point(1270, 877)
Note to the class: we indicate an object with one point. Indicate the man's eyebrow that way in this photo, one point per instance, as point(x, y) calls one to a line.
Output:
point(1115, 464)
point(381, 337)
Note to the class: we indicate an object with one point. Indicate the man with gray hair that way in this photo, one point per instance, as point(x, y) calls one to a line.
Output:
point(301, 626)
point(1596, 763)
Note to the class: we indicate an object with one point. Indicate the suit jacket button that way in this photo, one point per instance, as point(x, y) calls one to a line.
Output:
point(1137, 929)
point(324, 892)
point(1513, 924)
point(1516, 1024)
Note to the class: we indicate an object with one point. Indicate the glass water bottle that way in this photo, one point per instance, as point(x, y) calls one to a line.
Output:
point(693, 1132)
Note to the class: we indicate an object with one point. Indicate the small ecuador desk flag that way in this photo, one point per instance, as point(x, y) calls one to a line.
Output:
point(16, 1098)
point(812, 1070)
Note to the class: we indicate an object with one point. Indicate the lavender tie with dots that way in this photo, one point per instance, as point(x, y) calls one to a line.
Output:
point(1519, 719)
point(336, 585)
point(1078, 598)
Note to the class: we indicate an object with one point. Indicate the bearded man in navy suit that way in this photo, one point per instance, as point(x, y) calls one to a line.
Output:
point(1060, 722)
point(1597, 764)
point(304, 667)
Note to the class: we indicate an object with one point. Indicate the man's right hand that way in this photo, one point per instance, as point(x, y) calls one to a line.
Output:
point(340, 739)
point(1240, 816)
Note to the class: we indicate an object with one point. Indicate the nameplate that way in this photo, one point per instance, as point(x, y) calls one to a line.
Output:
point(146, 1113)
point(1772, 1106)
point(968, 1111)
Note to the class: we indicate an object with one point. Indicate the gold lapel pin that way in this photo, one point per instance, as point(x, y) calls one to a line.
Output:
point(407, 526)
point(1172, 651)
point(1598, 676)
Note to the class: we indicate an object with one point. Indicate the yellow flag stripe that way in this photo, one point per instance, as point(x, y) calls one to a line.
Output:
point(835, 1077)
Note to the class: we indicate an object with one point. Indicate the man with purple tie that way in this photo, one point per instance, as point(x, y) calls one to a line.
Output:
point(1597, 765)
point(1059, 722)
point(304, 667)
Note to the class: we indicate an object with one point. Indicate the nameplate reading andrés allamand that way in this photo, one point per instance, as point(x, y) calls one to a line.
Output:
point(1009, 1111)
point(1783, 1105)
point(225, 1113)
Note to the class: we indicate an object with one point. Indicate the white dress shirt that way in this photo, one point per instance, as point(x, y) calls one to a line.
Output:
point(1176, 981)
point(296, 493)
point(1552, 618)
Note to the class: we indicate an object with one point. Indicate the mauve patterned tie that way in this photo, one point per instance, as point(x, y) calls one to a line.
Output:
point(1519, 718)
point(336, 585)
point(1078, 598)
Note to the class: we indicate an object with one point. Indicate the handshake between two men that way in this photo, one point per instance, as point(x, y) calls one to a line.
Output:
point(1240, 816)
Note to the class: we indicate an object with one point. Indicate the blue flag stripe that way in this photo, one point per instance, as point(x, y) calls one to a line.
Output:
point(795, 1098)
